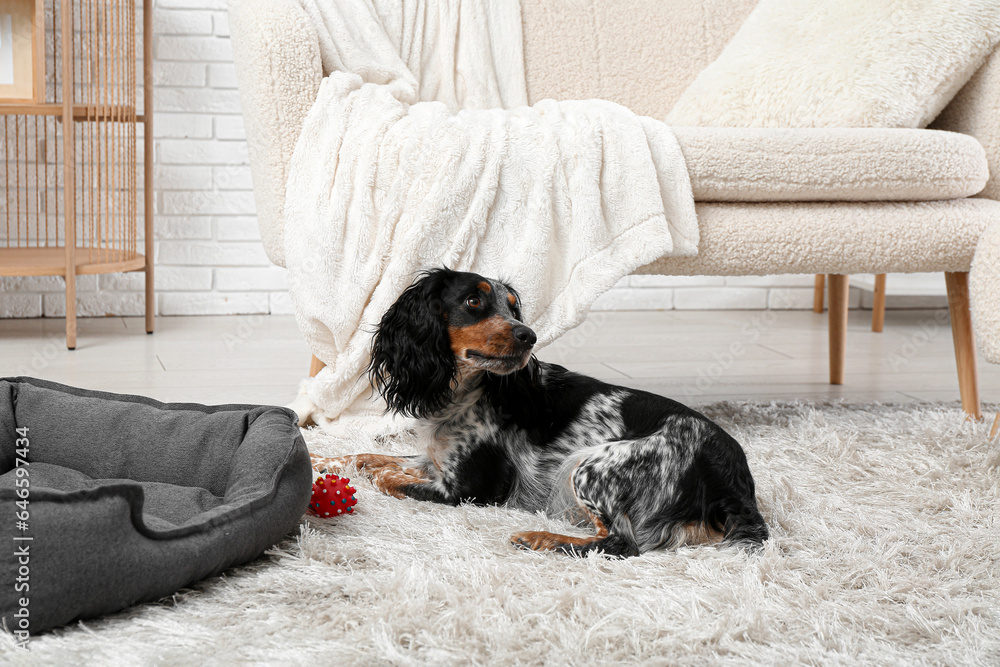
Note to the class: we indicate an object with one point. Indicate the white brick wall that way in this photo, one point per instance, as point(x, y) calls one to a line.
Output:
point(208, 254)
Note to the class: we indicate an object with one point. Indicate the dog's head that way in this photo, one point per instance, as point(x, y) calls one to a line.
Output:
point(445, 326)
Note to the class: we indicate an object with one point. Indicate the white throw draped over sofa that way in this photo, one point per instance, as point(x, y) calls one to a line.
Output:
point(769, 201)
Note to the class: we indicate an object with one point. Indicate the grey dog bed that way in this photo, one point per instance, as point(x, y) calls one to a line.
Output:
point(131, 499)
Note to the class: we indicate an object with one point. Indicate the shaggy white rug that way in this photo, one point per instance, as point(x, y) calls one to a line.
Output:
point(884, 551)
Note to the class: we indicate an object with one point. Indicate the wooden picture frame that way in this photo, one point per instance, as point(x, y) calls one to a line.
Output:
point(22, 43)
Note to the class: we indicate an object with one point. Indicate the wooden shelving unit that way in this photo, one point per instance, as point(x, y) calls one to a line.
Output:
point(70, 175)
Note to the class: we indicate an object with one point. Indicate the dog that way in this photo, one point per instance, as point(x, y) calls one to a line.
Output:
point(501, 427)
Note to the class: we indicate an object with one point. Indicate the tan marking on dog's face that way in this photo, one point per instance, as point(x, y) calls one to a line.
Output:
point(512, 300)
point(491, 336)
point(484, 287)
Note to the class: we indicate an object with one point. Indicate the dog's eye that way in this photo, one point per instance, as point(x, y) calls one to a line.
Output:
point(473, 302)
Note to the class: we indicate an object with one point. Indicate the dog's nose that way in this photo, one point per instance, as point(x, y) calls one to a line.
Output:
point(525, 334)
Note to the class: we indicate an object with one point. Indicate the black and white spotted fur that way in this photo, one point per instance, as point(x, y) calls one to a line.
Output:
point(502, 427)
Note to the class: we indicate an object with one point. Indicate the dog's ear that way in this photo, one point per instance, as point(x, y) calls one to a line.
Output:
point(412, 363)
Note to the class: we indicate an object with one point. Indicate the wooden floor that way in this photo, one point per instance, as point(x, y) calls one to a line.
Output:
point(696, 357)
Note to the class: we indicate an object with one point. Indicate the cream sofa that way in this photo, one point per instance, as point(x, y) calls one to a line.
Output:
point(830, 201)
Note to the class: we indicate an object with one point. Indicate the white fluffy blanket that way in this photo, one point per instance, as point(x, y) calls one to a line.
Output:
point(408, 160)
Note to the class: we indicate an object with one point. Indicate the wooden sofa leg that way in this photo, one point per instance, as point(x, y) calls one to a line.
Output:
point(878, 307)
point(839, 290)
point(818, 293)
point(965, 344)
point(315, 366)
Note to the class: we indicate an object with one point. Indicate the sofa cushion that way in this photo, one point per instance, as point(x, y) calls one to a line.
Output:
point(768, 238)
point(835, 164)
point(130, 499)
point(850, 63)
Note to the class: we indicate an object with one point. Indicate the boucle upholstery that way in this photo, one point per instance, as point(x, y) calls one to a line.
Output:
point(279, 76)
point(975, 111)
point(644, 68)
point(846, 237)
point(985, 288)
point(843, 164)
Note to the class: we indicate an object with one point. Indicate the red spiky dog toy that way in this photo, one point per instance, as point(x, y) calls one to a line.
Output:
point(332, 496)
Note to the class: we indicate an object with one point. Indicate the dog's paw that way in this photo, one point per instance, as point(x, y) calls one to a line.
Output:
point(390, 482)
point(533, 540)
point(330, 464)
point(340, 462)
